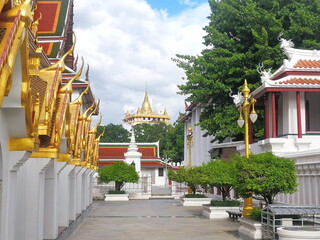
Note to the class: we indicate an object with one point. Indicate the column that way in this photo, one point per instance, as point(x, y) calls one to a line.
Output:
point(266, 117)
point(34, 204)
point(64, 193)
point(72, 193)
point(299, 115)
point(274, 117)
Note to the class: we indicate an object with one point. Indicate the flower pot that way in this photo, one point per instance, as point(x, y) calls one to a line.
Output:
point(250, 228)
point(298, 233)
point(217, 212)
point(195, 201)
point(116, 197)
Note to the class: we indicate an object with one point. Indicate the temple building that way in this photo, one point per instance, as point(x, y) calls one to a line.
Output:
point(48, 143)
point(146, 115)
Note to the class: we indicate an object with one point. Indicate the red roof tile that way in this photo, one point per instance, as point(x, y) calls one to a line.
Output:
point(119, 151)
point(307, 64)
point(300, 81)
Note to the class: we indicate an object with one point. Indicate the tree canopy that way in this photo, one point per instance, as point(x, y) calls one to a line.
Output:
point(114, 133)
point(190, 176)
point(240, 36)
point(119, 172)
point(220, 174)
point(264, 174)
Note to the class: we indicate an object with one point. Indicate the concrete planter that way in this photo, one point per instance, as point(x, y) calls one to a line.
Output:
point(298, 233)
point(116, 197)
point(250, 228)
point(195, 201)
point(213, 212)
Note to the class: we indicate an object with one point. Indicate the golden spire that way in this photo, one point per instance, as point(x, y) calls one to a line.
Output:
point(146, 105)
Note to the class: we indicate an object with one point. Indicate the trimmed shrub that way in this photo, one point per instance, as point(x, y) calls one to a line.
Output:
point(195, 196)
point(116, 192)
point(256, 214)
point(227, 203)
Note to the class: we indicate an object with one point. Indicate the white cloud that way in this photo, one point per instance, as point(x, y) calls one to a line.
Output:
point(127, 43)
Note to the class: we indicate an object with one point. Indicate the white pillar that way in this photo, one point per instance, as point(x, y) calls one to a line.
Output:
point(72, 192)
point(79, 189)
point(34, 202)
point(64, 193)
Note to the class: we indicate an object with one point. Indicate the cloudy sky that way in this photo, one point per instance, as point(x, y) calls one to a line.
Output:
point(129, 43)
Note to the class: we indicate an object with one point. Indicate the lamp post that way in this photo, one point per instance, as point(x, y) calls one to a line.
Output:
point(247, 104)
point(166, 161)
point(189, 144)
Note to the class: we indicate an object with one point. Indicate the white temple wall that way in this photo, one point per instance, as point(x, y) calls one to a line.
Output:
point(64, 195)
point(72, 194)
point(201, 145)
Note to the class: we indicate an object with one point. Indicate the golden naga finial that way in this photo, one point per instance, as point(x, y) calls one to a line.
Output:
point(68, 86)
point(102, 134)
point(79, 98)
point(61, 63)
point(88, 109)
point(35, 25)
point(87, 73)
point(75, 63)
point(95, 109)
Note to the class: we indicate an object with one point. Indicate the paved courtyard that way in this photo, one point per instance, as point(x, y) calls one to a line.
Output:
point(159, 219)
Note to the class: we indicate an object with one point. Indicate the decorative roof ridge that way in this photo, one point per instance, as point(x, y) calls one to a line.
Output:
point(294, 52)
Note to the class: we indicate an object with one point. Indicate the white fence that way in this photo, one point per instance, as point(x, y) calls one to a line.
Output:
point(178, 188)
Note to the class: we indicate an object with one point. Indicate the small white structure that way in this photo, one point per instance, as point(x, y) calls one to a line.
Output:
point(132, 156)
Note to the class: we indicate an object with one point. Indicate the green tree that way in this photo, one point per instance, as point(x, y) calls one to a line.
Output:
point(240, 36)
point(174, 143)
point(189, 176)
point(114, 133)
point(220, 174)
point(264, 174)
point(120, 172)
point(170, 138)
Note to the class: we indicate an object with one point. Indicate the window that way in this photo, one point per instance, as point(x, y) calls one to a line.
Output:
point(160, 172)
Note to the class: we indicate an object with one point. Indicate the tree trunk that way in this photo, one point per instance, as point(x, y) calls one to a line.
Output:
point(118, 186)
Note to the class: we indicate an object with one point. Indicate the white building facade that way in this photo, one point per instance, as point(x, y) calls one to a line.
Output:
point(200, 145)
point(291, 98)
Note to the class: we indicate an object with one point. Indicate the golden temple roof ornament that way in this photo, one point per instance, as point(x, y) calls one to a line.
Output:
point(145, 114)
point(61, 63)
point(68, 86)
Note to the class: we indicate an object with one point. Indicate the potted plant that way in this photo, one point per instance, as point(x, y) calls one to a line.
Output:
point(263, 175)
point(120, 173)
point(191, 177)
point(219, 209)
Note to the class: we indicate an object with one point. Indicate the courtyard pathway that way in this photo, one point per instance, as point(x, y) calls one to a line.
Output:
point(158, 219)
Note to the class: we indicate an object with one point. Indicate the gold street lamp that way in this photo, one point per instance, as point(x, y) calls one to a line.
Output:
point(189, 145)
point(246, 106)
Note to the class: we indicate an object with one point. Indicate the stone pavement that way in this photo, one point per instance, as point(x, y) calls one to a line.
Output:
point(159, 219)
